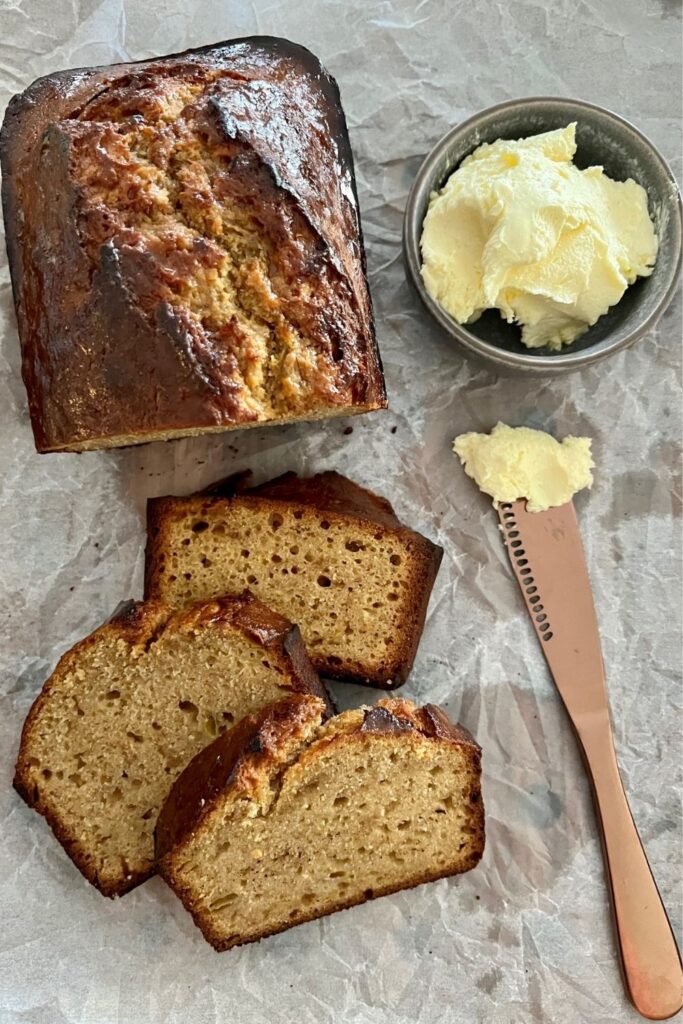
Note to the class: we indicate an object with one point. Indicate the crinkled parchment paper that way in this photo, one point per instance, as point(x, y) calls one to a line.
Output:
point(527, 936)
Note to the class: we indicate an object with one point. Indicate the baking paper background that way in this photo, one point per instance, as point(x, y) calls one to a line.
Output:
point(527, 936)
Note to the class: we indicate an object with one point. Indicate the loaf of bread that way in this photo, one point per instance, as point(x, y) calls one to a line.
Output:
point(285, 819)
point(185, 247)
point(322, 550)
point(128, 707)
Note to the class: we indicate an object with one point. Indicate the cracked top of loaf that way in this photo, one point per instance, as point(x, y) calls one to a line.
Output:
point(185, 247)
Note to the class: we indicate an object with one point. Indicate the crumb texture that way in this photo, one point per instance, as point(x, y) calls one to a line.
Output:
point(352, 815)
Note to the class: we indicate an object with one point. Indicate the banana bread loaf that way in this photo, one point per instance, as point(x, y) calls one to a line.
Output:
point(185, 247)
point(322, 550)
point(285, 819)
point(129, 706)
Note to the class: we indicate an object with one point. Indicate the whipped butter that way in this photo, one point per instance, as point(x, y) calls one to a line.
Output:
point(518, 462)
point(517, 227)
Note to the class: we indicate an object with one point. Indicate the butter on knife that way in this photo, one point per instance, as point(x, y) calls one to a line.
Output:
point(518, 462)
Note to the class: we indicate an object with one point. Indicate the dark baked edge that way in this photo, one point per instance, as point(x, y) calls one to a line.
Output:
point(429, 721)
point(141, 622)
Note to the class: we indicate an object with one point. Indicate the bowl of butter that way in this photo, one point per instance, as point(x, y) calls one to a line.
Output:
point(544, 234)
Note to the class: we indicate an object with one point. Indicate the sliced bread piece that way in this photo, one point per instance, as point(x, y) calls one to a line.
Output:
point(322, 550)
point(128, 707)
point(286, 818)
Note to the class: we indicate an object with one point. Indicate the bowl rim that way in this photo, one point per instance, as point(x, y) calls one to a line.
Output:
point(562, 361)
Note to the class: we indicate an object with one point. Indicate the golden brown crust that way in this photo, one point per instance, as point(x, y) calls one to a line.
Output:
point(115, 182)
point(397, 714)
point(139, 624)
point(240, 759)
point(342, 501)
point(330, 492)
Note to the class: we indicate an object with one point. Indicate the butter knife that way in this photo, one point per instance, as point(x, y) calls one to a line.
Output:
point(548, 561)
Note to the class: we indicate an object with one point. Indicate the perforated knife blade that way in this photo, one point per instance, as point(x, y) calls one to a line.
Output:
point(549, 563)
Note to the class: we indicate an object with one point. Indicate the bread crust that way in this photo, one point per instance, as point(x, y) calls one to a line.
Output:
point(107, 358)
point(139, 624)
point(238, 762)
point(342, 501)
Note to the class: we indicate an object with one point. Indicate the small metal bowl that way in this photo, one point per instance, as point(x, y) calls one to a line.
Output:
point(602, 138)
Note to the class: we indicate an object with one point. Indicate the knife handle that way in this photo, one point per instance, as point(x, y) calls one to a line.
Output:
point(649, 955)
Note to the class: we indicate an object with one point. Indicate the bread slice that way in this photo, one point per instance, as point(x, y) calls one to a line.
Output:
point(286, 818)
point(129, 706)
point(322, 550)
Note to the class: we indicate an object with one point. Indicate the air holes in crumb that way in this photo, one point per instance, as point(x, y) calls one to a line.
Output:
point(339, 801)
point(245, 553)
point(200, 526)
point(324, 524)
point(354, 545)
point(222, 901)
point(294, 550)
point(392, 597)
point(298, 514)
point(276, 558)
point(156, 726)
point(324, 581)
point(395, 559)
point(134, 737)
point(227, 716)
point(113, 695)
point(275, 520)
point(206, 562)
point(189, 708)
point(251, 578)
point(46, 773)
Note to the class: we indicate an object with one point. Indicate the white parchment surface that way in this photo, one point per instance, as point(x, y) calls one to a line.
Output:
point(527, 936)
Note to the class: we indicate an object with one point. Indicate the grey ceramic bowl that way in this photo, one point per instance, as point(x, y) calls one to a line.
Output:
point(602, 138)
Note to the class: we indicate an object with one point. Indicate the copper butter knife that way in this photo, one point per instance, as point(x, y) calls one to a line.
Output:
point(548, 560)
